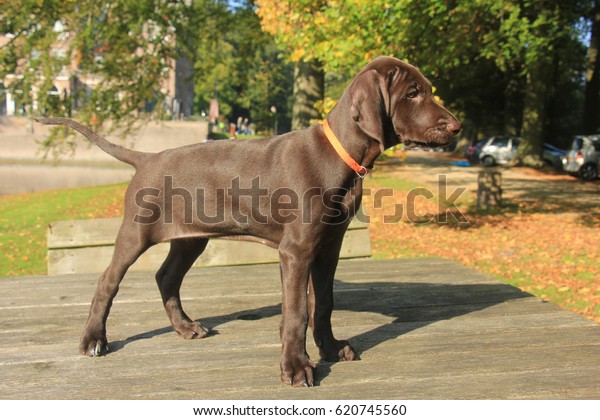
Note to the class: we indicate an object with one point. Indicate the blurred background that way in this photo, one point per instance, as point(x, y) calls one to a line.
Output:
point(526, 68)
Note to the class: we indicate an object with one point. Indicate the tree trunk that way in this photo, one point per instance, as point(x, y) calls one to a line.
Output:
point(534, 113)
point(309, 87)
point(489, 190)
point(591, 113)
point(513, 103)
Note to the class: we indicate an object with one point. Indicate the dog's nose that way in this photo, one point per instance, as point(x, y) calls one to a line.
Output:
point(454, 126)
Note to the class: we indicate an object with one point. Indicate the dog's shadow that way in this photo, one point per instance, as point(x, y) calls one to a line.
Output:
point(409, 306)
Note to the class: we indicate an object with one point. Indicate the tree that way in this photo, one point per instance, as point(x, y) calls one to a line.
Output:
point(309, 89)
point(437, 35)
point(124, 48)
point(240, 64)
point(551, 38)
point(503, 65)
point(289, 22)
point(592, 77)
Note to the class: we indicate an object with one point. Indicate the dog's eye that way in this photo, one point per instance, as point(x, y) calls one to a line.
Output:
point(412, 93)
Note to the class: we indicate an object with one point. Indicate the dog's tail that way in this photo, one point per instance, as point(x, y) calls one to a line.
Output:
point(131, 157)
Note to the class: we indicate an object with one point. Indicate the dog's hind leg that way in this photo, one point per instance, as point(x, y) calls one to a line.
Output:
point(128, 247)
point(181, 257)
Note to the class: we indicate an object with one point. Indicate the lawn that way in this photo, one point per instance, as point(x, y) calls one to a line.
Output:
point(544, 253)
point(24, 219)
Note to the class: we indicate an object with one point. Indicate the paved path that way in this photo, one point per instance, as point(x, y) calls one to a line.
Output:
point(558, 191)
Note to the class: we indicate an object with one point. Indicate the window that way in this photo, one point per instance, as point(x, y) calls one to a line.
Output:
point(500, 142)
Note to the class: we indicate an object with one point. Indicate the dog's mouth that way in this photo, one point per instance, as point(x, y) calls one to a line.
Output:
point(432, 137)
point(409, 143)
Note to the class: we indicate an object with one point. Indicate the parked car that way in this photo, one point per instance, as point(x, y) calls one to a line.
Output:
point(498, 150)
point(583, 158)
point(472, 152)
point(553, 156)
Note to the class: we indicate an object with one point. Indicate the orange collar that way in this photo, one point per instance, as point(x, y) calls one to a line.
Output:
point(360, 170)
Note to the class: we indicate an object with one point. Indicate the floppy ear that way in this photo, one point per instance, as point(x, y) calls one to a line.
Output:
point(371, 105)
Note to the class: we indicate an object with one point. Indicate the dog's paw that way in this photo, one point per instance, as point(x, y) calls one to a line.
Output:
point(93, 347)
point(347, 352)
point(298, 371)
point(338, 351)
point(191, 330)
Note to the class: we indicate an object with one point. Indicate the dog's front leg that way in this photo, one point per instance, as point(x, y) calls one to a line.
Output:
point(296, 367)
point(321, 306)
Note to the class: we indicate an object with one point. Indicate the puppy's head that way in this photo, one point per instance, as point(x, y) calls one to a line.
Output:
point(392, 102)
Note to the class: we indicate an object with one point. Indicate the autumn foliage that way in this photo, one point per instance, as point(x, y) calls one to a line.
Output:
point(538, 242)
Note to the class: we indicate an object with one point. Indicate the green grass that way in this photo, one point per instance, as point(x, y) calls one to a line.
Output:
point(386, 181)
point(24, 220)
point(386, 249)
point(465, 199)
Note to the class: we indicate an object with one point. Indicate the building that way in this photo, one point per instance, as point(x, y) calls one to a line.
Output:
point(177, 88)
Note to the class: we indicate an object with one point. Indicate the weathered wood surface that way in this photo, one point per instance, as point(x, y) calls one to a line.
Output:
point(86, 246)
point(425, 329)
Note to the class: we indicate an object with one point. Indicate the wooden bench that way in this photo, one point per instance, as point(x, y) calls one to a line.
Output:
point(86, 246)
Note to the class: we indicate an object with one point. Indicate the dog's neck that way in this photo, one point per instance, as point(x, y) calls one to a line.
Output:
point(341, 151)
point(362, 148)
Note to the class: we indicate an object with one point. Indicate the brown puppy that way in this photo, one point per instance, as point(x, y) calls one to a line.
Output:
point(292, 192)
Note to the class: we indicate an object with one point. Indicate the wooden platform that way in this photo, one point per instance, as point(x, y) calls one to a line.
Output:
point(425, 329)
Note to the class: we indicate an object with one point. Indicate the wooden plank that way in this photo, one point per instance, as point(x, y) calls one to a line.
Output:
point(374, 336)
point(80, 233)
point(506, 349)
point(209, 371)
point(425, 328)
point(70, 251)
point(96, 232)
